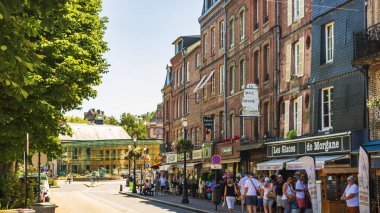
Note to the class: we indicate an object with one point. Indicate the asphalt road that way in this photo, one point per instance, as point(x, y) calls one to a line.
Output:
point(76, 197)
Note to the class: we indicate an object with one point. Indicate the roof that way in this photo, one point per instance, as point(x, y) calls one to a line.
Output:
point(92, 132)
point(188, 40)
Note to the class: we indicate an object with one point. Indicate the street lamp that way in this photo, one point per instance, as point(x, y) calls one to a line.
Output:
point(129, 161)
point(185, 199)
point(134, 166)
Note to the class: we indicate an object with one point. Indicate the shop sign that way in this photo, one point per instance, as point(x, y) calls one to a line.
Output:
point(206, 152)
point(180, 156)
point(216, 166)
point(197, 154)
point(208, 122)
point(171, 157)
point(316, 146)
point(227, 150)
point(250, 101)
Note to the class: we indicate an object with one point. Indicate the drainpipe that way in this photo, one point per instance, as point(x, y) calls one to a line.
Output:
point(225, 71)
point(277, 73)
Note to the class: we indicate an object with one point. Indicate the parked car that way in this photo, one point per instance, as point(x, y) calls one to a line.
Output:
point(44, 186)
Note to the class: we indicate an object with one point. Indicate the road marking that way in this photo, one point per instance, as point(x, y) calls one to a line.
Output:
point(113, 204)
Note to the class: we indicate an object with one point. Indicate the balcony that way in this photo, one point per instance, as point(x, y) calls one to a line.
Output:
point(367, 45)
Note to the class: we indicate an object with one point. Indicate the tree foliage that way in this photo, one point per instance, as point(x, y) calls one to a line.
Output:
point(134, 126)
point(51, 56)
point(183, 145)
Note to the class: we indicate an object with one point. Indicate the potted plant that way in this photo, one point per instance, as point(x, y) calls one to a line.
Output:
point(291, 134)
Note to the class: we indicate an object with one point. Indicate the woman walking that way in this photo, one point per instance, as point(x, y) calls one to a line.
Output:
point(230, 192)
point(268, 200)
point(288, 195)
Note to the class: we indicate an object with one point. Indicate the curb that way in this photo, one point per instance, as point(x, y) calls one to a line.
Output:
point(166, 203)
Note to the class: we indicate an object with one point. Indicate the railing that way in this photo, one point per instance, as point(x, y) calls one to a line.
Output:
point(367, 43)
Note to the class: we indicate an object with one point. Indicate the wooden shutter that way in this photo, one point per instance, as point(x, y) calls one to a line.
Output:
point(288, 61)
point(299, 116)
point(301, 58)
point(290, 12)
point(302, 8)
point(286, 118)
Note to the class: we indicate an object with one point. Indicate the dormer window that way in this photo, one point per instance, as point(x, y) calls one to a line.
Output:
point(178, 47)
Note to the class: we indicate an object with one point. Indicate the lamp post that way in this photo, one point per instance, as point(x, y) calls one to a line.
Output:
point(134, 165)
point(185, 199)
point(129, 160)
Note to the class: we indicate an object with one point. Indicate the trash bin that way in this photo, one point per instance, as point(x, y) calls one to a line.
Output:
point(44, 207)
point(217, 196)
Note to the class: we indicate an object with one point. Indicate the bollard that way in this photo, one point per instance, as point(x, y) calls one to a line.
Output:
point(121, 187)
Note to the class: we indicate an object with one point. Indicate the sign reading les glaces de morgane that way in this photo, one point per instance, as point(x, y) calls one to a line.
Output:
point(320, 146)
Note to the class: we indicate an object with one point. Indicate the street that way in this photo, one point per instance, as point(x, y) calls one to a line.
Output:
point(105, 197)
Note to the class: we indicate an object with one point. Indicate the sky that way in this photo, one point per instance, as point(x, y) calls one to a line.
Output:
point(140, 36)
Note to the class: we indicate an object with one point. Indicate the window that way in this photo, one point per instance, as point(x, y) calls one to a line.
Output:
point(256, 66)
point(193, 135)
point(183, 105)
point(101, 154)
point(178, 108)
point(256, 14)
point(221, 124)
point(232, 125)
point(242, 25)
point(296, 9)
point(221, 35)
point(175, 79)
point(175, 109)
point(329, 37)
point(198, 60)
point(266, 118)
point(205, 91)
point(113, 154)
point(242, 125)
point(107, 154)
point(232, 80)
point(286, 117)
point(197, 96)
point(183, 75)
point(213, 84)
point(179, 77)
point(266, 62)
point(88, 152)
point(212, 40)
point(221, 79)
point(297, 58)
point(232, 32)
point(242, 70)
point(188, 71)
point(187, 103)
point(295, 114)
point(197, 136)
point(327, 108)
point(265, 10)
point(75, 153)
point(205, 46)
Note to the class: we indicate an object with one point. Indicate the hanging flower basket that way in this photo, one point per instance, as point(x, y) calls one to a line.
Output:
point(183, 145)
point(374, 102)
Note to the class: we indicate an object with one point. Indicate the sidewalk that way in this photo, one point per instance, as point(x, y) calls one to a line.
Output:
point(195, 204)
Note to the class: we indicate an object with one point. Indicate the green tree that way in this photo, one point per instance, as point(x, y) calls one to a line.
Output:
point(51, 56)
point(133, 125)
point(75, 119)
point(111, 121)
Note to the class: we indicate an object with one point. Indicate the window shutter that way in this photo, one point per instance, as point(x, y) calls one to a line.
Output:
point(299, 117)
point(290, 12)
point(286, 118)
point(288, 62)
point(302, 8)
point(302, 52)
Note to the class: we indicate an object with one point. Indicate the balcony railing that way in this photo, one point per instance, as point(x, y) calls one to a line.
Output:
point(367, 45)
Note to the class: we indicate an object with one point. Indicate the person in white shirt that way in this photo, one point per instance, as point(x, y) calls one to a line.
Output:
point(351, 196)
point(242, 189)
point(301, 188)
point(251, 192)
point(163, 184)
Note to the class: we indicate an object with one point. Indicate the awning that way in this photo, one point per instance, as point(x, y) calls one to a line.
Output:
point(236, 160)
point(371, 147)
point(319, 162)
point(208, 78)
point(180, 166)
point(326, 171)
point(275, 164)
point(199, 83)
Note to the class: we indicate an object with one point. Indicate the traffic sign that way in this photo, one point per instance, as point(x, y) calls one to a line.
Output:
point(215, 159)
point(216, 166)
point(45, 168)
point(147, 166)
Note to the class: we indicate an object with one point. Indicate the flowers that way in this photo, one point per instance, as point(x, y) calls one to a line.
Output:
point(183, 145)
point(231, 139)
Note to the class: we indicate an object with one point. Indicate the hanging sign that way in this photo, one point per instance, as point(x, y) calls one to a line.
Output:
point(208, 122)
point(251, 101)
point(216, 166)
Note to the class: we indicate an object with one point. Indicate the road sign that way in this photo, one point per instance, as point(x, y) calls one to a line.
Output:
point(215, 159)
point(147, 166)
point(216, 166)
point(43, 159)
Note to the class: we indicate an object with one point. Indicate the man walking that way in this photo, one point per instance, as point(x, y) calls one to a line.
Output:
point(242, 189)
point(351, 196)
point(278, 186)
point(250, 193)
point(301, 188)
point(163, 184)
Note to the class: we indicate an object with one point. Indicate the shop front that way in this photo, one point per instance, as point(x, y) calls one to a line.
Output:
point(332, 157)
point(230, 153)
point(251, 154)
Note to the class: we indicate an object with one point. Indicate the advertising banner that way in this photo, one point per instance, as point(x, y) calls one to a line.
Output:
point(250, 101)
point(363, 181)
point(309, 166)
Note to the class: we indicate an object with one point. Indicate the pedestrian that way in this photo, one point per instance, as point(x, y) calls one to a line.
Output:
point(268, 202)
point(201, 185)
point(251, 192)
point(278, 188)
point(288, 195)
point(242, 189)
point(156, 184)
point(351, 196)
point(301, 189)
point(163, 184)
point(230, 192)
